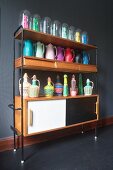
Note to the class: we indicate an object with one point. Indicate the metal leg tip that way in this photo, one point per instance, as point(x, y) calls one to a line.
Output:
point(14, 150)
point(95, 138)
point(82, 132)
point(22, 161)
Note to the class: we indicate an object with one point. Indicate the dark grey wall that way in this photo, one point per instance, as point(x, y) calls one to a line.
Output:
point(91, 15)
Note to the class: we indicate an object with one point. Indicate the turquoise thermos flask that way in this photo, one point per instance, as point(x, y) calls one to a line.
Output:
point(28, 48)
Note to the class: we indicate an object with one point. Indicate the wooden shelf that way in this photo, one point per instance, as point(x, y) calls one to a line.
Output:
point(57, 97)
point(53, 65)
point(47, 38)
point(62, 128)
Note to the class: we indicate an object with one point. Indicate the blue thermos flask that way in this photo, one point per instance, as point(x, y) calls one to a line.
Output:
point(85, 57)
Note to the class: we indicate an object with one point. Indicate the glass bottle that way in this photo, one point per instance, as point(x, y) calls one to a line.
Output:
point(41, 25)
point(65, 30)
point(58, 87)
point(49, 88)
point(65, 87)
point(36, 22)
point(34, 88)
point(56, 28)
point(26, 85)
point(31, 22)
point(46, 24)
point(80, 85)
point(88, 88)
point(24, 18)
point(78, 35)
point(84, 37)
point(73, 88)
point(71, 33)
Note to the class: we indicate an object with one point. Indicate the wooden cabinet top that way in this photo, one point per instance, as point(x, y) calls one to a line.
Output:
point(41, 98)
point(47, 38)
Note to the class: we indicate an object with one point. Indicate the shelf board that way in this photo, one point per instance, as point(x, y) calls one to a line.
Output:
point(53, 65)
point(57, 97)
point(63, 128)
point(47, 38)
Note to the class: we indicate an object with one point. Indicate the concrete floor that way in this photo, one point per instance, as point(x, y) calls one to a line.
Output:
point(77, 152)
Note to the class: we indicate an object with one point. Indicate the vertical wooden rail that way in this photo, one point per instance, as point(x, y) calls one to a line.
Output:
point(97, 113)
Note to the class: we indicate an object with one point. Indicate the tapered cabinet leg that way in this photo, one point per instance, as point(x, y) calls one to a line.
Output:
point(82, 129)
point(14, 143)
point(14, 150)
point(96, 133)
point(22, 161)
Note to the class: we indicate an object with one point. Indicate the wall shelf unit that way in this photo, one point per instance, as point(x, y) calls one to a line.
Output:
point(27, 111)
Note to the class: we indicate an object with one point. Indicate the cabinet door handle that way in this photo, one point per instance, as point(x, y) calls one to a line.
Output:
point(30, 117)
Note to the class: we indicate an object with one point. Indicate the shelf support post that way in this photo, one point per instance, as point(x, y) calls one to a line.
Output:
point(22, 137)
point(14, 135)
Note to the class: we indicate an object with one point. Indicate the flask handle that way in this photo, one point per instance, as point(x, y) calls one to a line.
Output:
point(55, 52)
point(43, 48)
point(38, 82)
point(19, 81)
point(52, 83)
point(92, 84)
point(73, 54)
